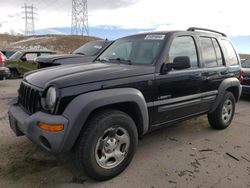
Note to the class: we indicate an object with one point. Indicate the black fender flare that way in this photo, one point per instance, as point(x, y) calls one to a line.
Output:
point(79, 109)
point(224, 86)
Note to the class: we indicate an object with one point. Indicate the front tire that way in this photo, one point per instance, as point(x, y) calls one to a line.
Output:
point(223, 115)
point(107, 144)
point(13, 73)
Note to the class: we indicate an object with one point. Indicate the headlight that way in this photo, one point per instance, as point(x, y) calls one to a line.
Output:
point(51, 98)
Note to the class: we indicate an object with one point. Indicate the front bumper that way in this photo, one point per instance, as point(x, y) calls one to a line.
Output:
point(246, 89)
point(4, 72)
point(25, 124)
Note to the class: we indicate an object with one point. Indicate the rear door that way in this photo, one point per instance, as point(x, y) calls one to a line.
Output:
point(214, 70)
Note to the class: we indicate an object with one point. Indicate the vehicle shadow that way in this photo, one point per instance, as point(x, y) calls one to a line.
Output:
point(30, 163)
point(27, 160)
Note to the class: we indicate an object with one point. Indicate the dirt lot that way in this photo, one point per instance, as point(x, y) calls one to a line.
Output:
point(188, 154)
point(60, 43)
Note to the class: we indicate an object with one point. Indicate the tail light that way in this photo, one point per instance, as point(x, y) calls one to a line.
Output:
point(241, 76)
point(2, 60)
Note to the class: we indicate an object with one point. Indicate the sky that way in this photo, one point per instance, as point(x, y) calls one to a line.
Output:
point(116, 18)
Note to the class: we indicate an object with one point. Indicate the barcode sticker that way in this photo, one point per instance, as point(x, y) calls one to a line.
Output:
point(98, 47)
point(155, 37)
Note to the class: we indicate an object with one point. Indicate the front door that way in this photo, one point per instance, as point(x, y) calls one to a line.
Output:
point(178, 91)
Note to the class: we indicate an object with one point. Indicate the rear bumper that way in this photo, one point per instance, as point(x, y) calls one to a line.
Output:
point(25, 124)
point(245, 89)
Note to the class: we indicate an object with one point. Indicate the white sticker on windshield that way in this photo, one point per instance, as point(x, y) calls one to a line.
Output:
point(98, 47)
point(154, 37)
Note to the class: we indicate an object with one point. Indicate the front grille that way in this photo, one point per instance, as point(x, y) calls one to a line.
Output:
point(29, 98)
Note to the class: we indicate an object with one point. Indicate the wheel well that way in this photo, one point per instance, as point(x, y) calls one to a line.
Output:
point(129, 108)
point(13, 69)
point(235, 92)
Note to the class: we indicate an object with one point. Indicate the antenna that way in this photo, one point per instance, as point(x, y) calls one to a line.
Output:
point(29, 12)
point(79, 23)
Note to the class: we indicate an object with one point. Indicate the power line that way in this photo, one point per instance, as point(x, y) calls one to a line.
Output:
point(79, 22)
point(29, 17)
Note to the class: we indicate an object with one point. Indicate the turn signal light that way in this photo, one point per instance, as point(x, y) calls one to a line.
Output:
point(51, 127)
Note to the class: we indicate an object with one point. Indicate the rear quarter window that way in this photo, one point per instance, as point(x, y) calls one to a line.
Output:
point(229, 53)
point(218, 52)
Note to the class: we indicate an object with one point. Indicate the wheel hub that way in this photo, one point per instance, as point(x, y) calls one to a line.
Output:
point(112, 147)
point(227, 111)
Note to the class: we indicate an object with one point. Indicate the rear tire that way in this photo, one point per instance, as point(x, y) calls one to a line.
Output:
point(107, 144)
point(223, 115)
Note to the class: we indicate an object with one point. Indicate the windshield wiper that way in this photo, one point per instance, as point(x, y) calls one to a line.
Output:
point(80, 53)
point(127, 61)
point(102, 60)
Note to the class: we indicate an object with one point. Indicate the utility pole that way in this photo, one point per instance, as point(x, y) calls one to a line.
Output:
point(79, 22)
point(29, 17)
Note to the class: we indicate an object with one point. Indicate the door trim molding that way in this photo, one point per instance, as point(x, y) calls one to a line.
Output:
point(182, 99)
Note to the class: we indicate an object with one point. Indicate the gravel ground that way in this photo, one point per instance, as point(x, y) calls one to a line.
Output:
point(188, 154)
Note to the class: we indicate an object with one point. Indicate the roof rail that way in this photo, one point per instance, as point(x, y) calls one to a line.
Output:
point(203, 29)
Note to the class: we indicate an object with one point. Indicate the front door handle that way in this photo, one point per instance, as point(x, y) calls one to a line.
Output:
point(196, 76)
point(224, 72)
point(200, 77)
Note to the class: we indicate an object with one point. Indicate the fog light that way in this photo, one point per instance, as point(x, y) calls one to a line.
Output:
point(51, 127)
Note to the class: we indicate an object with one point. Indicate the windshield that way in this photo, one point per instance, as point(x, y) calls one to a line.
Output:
point(16, 56)
point(246, 63)
point(140, 49)
point(90, 48)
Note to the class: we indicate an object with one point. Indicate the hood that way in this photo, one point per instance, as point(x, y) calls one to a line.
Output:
point(52, 58)
point(70, 75)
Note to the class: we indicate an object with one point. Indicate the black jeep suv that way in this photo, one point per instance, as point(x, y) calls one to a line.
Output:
point(139, 83)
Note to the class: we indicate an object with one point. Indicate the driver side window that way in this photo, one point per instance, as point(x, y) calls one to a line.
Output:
point(30, 56)
point(184, 46)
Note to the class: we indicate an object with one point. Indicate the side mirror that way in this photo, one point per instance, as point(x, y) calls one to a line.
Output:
point(166, 67)
point(23, 58)
point(181, 62)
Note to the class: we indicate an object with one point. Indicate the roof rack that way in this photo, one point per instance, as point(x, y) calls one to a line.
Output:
point(203, 29)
